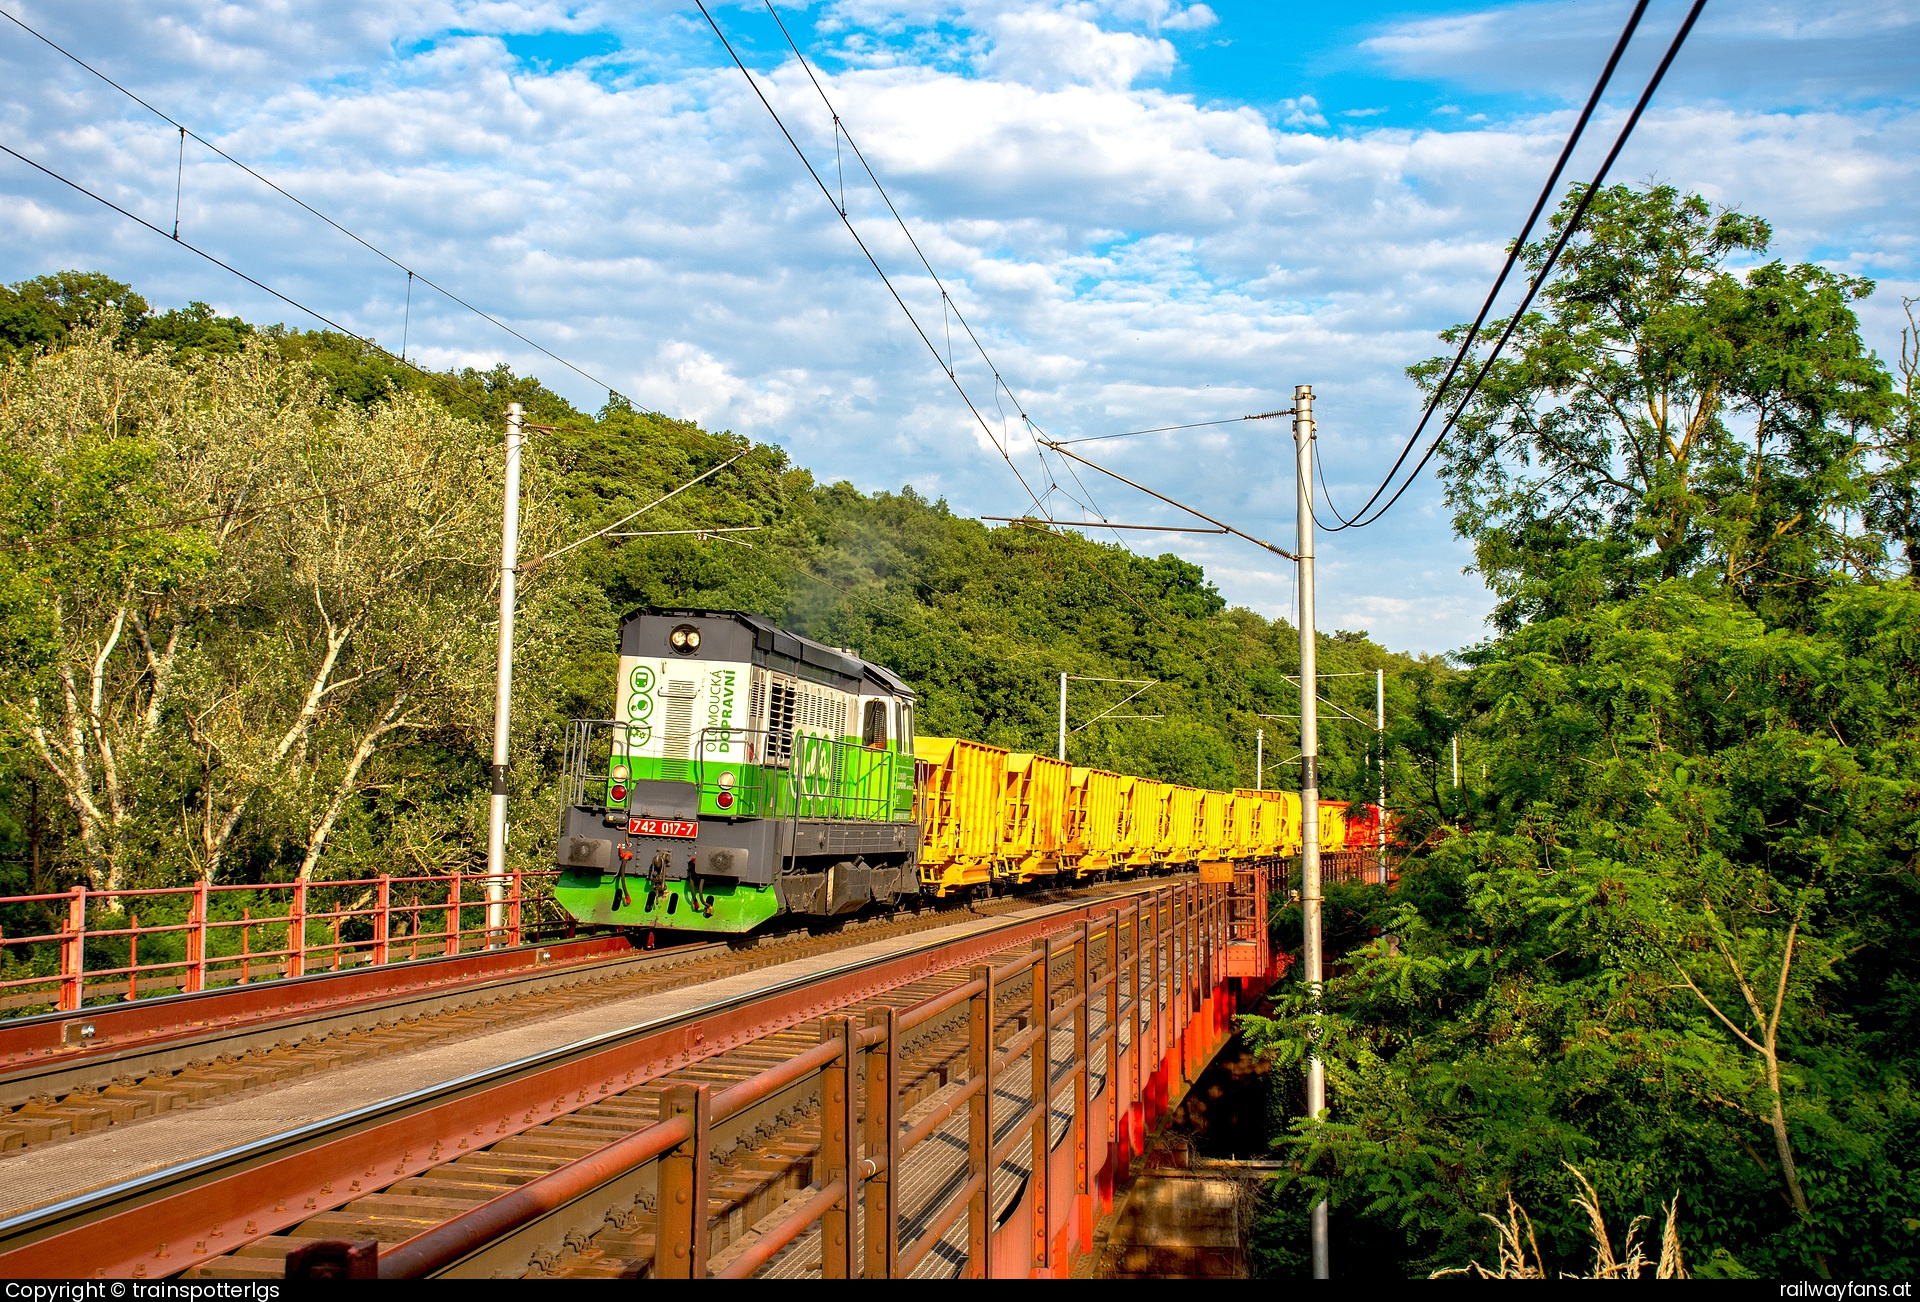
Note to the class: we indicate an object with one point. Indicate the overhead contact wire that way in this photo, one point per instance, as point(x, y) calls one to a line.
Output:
point(186, 132)
point(1513, 256)
point(932, 348)
point(1553, 255)
point(871, 260)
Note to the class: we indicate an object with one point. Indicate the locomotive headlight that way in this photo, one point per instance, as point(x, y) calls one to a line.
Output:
point(685, 639)
point(726, 780)
point(619, 773)
point(679, 638)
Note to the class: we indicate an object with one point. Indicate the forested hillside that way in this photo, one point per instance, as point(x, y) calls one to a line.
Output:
point(250, 600)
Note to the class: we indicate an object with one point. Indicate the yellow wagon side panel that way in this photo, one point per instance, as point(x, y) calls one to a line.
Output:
point(1093, 822)
point(1124, 838)
point(1035, 813)
point(1333, 825)
point(962, 784)
point(1213, 832)
point(1290, 835)
point(1149, 822)
point(1181, 822)
point(1244, 811)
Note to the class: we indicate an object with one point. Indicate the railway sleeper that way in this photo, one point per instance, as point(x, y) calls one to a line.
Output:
point(773, 1159)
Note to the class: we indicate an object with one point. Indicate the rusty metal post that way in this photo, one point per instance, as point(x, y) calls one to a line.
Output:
point(1037, 1184)
point(680, 1240)
point(839, 1127)
point(1113, 1048)
point(1135, 1018)
point(382, 918)
point(197, 938)
point(454, 887)
point(1176, 1065)
point(1082, 1064)
point(1195, 937)
point(133, 956)
point(882, 1214)
point(297, 931)
point(980, 1125)
point(514, 898)
point(73, 952)
point(1153, 997)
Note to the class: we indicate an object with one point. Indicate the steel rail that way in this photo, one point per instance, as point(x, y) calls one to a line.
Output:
point(143, 1038)
point(445, 1245)
point(143, 1226)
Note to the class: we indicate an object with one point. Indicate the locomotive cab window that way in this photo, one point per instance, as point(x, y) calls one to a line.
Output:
point(873, 731)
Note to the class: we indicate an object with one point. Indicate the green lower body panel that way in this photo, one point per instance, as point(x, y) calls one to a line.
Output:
point(705, 904)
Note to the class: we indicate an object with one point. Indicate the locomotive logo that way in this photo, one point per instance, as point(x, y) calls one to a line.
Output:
point(640, 706)
point(815, 758)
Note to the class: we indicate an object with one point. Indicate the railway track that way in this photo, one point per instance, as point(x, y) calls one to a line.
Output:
point(59, 1095)
point(410, 1166)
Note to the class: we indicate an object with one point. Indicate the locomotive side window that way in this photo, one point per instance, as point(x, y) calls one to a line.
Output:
point(874, 731)
point(906, 728)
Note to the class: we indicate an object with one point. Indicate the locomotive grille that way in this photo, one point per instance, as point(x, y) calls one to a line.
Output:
point(679, 700)
point(780, 721)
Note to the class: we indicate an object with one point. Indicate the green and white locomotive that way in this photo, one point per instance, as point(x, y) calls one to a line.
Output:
point(747, 772)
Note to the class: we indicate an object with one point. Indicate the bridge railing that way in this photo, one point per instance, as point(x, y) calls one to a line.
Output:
point(1159, 985)
point(67, 950)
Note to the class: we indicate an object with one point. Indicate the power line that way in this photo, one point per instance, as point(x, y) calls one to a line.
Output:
point(947, 303)
point(412, 275)
point(871, 260)
point(1095, 524)
point(295, 303)
point(1546, 268)
point(1513, 254)
point(1162, 429)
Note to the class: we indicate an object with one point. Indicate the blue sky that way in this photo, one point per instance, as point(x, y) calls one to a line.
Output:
point(1152, 212)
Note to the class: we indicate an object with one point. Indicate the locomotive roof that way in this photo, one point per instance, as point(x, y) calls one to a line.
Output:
point(769, 637)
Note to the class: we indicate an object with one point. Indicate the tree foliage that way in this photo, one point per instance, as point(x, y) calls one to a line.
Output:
point(1668, 936)
point(249, 578)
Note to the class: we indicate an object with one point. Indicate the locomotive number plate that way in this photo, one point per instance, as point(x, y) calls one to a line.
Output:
point(662, 827)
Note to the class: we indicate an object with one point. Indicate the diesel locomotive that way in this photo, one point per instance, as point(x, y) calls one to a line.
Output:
point(747, 772)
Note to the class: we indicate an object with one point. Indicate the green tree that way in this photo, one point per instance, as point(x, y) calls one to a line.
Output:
point(1666, 938)
point(1668, 415)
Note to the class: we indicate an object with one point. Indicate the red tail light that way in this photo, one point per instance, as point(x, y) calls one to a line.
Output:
point(618, 793)
point(724, 800)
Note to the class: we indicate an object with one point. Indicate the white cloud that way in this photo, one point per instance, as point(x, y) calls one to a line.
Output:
point(1776, 52)
point(1049, 49)
point(1131, 257)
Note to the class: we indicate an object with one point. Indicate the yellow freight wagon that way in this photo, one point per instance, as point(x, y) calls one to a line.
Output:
point(1093, 822)
point(1290, 835)
point(1213, 832)
point(962, 786)
point(1252, 821)
point(1178, 840)
point(1333, 825)
point(1147, 822)
point(1035, 812)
